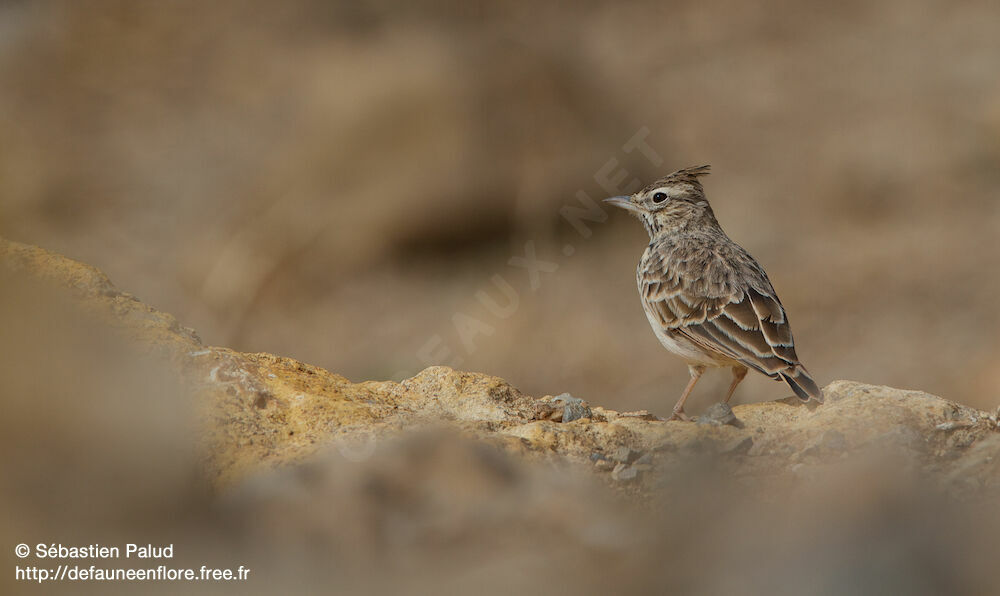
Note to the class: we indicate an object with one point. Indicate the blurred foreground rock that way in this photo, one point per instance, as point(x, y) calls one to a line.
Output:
point(458, 476)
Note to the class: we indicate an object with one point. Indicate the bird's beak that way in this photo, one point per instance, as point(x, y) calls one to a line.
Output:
point(625, 202)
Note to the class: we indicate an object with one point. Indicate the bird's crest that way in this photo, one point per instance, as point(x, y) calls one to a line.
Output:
point(683, 176)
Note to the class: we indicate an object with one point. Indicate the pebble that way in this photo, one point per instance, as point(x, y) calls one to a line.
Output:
point(601, 462)
point(625, 455)
point(950, 426)
point(574, 408)
point(720, 414)
point(624, 473)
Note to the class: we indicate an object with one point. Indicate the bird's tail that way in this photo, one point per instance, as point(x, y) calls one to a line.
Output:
point(802, 384)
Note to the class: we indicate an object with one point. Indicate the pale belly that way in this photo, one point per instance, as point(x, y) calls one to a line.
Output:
point(683, 347)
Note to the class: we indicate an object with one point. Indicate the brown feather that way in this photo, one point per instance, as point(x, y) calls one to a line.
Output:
point(742, 314)
point(725, 306)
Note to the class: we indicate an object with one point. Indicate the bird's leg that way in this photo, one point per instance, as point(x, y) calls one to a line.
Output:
point(696, 371)
point(739, 372)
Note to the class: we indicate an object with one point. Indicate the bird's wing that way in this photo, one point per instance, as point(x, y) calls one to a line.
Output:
point(722, 313)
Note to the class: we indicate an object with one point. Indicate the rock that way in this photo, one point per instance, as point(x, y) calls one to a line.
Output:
point(573, 408)
point(625, 455)
point(453, 470)
point(625, 473)
point(605, 465)
point(952, 425)
point(262, 411)
point(602, 463)
point(645, 460)
point(719, 414)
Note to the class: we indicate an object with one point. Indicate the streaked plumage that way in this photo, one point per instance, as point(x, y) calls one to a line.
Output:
point(706, 298)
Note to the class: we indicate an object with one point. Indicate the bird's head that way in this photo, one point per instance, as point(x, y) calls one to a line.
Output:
point(675, 202)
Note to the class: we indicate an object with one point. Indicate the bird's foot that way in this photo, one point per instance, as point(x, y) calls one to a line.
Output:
point(680, 415)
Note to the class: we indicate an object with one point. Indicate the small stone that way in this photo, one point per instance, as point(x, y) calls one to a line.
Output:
point(720, 414)
point(601, 462)
point(624, 473)
point(574, 408)
point(625, 455)
point(605, 465)
point(566, 398)
point(644, 463)
point(575, 412)
point(950, 426)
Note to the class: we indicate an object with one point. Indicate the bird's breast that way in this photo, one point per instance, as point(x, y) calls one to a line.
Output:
point(676, 343)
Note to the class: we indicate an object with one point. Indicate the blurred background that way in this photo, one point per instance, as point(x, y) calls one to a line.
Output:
point(346, 183)
point(336, 181)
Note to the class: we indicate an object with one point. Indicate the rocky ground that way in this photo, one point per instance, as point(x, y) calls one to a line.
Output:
point(458, 477)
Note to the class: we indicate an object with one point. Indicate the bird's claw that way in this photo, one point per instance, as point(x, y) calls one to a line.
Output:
point(680, 415)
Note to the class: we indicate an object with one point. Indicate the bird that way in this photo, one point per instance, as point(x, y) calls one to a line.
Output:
point(707, 300)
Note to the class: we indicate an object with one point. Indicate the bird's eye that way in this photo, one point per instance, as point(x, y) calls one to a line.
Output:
point(659, 197)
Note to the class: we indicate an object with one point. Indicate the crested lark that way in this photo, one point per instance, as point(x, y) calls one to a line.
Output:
point(706, 298)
